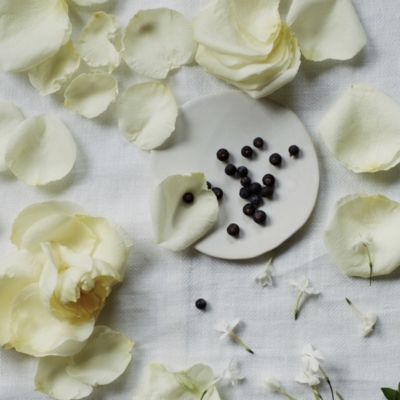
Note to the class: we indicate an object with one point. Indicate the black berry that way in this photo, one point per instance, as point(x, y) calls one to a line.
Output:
point(188, 198)
point(247, 151)
point(222, 154)
point(230, 170)
point(259, 217)
point(258, 142)
point(267, 191)
point(294, 151)
point(209, 186)
point(242, 171)
point(233, 230)
point(249, 210)
point(245, 182)
point(244, 193)
point(218, 192)
point(275, 159)
point(268, 180)
point(201, 304)
point(255, 199)
point(255, 188)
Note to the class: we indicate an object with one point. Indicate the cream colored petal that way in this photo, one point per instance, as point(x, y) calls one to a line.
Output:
point(90, 94)
point(52, 379)
point(326, 29)
point(177, 225)
point(100, 43)
point(158, 41)
point(36, 332)
point(41, 150)
point(32, 214)
point(113, 244)
point(17, 271)
point(31, 32)
point(48, 76)
point(87, 3)
point(103, 359)
point(10, 118)
point(147, 114)
point(362, 129)
point(362, 214)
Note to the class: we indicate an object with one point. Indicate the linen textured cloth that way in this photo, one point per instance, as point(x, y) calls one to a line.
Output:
point(154, 305)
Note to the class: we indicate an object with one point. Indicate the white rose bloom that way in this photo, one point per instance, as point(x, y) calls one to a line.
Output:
point(53, 288)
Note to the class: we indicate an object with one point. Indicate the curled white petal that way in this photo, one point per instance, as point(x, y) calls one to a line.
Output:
point(362, 129)
point(326, 29)
point(147, 114)
point(48, 76)
point(100, 43)
point(157, 41)
point(31, 33)
point(177, 225)
point(41, 150)
point(87, 3)
point(90, 94)
point(362, 214)
point(10, 118)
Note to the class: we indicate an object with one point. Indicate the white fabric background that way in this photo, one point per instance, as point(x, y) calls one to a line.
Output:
point(155, 304)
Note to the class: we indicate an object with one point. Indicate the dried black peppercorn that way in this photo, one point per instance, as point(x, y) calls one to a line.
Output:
point(222, 154)
point(249, 209)
point(230, 170)
point(244, 193)
point(294, 151)
point(233, 230)
point(275, 159)
point(255, 199)
point(267, 191)
point(218, 192)
point(209, 186)
point(242, 171)
point(268, 180)
point(188, 198)
point(259, 217)
point(255, 188)
point(247, 151)
point(246, 181)
point(258, 142)
point(201, 304)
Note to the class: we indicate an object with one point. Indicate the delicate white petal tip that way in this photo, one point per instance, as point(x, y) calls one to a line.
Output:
point(87, 3)
point(158, 41)
point(147, 114)
point(31, 34)
point(176, 224)
point(272, 384)
point(372, 216)
point(247, 45)
point(10, 118)
point(41, 150)
point(326, 29)
point(48, 76)
point(90, 94)
point(362, 129)
point(100, 43)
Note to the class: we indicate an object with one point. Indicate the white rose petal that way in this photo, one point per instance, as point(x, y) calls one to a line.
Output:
point(41, 150)
point(147, 114)
point(376, 217)
point(48, 76)
point(10, 118)
point(177, 225)
point(90, 94)
point(326, 29)
point(158, 41)
point(87, 3)
point(31, 32)
point(100, 43)
point(362, 129)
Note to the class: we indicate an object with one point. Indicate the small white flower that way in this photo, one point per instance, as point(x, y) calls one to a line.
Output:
point(310, 358)
point(265, 277)
point(369, 319)
point(272, 384)
point(226, 328)
point(361, 242)
point(309, 377)
point(232, 373)
point(302, 286)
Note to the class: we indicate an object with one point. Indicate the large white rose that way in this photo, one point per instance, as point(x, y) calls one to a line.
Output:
point(53, 288)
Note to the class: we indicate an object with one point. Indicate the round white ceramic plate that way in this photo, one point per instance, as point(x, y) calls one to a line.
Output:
point(232, 120)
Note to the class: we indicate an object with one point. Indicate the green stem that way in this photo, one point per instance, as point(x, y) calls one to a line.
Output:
point(328, 381)
point(287, 395)
point(317, 395)
point(339, 395)
point(209, 387)
point(296, 310)
point(233, 336)
point(355, 309)
point(370, 264)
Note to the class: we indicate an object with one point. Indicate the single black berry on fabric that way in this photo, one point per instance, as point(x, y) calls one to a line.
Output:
point(245, 181)
point(258, 142)
point(233, 230)
point(188, 198)
point(244, 193)
point(222, 154)
point(242, 171)
point(267, 191)
point(209, 186)
point(218, 192)
point(294, 151)
point(259, 217)
point(275, 159)
point(201, 304)
point(255, 188)
point(249, 209)
point(247, 151)
point(268, 180)
point(255, 199)
point(230, 170)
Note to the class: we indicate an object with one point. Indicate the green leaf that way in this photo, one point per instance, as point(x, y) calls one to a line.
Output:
point(399, 387)
point(391, 394)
